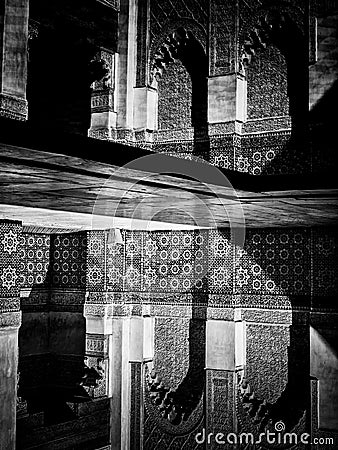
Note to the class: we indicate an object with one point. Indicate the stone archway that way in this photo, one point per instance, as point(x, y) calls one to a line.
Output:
point(181, 47)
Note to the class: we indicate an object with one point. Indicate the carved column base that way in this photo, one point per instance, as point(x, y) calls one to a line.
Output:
point(8, 380)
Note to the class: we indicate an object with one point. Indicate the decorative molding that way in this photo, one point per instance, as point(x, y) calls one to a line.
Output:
point(223, 128)
point(270, 23)
point(10, 319)
point(172, 422)
point(67, 300)
point(97, 345)
point(176, 134)
point(104, 134)
point(267, 124)
point(102, 101)
point(263, 415)
point(167, 53)
point(98, 310)
point(9, 304)
point(13, 107)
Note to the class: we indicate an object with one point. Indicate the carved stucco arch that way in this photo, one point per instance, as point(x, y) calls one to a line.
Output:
point(179, 409)
point(284, 21)
point(163, 48)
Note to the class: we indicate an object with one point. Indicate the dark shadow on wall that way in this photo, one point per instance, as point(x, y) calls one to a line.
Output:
point(295, 267)
point(189, 392)
point(322, 123)
point(280, 30)
point(61, 69)
point(177, 405)
point(293, 406)
point(315, 149)
point(196, 63)
point(191, 54)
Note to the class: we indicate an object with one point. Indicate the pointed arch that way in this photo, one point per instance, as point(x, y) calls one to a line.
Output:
point(282, 29)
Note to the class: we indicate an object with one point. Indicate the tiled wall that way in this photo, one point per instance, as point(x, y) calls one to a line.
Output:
point(290, 262)
point(174, 98)
point(300, 262)
point(10, 235)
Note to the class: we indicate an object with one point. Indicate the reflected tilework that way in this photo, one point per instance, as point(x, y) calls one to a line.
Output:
point(221, 262)
point(325, 262)
point(68, 259)
point(115, 266)
point(10, 239)
point(168, 262)
point(34, 260)
point(133, 261)
point(272, 263)
point(96, 271)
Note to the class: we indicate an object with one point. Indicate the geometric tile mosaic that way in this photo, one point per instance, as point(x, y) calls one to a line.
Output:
point(273, 262)
point(34, 259)
point(10, 236)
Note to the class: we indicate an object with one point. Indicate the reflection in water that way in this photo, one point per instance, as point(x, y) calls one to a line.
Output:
point(218, 358)
point(176, 405)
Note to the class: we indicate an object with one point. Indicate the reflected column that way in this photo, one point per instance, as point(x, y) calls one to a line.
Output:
point(13, 59)
point(10, 321)
point(225, 355)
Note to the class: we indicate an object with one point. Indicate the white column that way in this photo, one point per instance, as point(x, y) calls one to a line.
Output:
point(120, 406)
point(227, 98)
point(126, 71)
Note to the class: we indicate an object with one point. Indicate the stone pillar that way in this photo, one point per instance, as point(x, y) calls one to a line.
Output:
point(103, 103)
point(126, 73)
point(145, 108)
point(141, 350)
point(136, 380)
point(10, 320)
point(98, 314)
point(227, 98)
point(220, 378)
point(99, 347)
point(13, 59)
point(145, 96)
point(227, 91)
point(225, 353)
point(120, 376)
